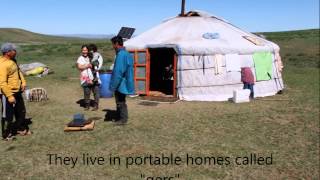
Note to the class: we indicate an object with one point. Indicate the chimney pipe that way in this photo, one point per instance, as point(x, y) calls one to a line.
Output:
point(183, 6)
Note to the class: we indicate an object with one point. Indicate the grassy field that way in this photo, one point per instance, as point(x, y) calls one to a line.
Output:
point(286, 125)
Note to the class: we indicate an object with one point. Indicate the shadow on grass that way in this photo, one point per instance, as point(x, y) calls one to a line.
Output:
point(10, 148)
point(82, 103)
point(111, 115)
point(148, 103)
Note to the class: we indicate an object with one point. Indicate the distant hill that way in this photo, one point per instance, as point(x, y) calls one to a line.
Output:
point(27, 37)
point(287, 35)
point(298, 48)
point(88, 36)
point(21, 36)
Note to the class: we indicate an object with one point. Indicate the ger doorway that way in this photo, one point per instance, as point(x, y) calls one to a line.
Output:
point(163, 63)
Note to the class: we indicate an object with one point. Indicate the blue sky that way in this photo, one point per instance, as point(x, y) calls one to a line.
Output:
point(107, 16)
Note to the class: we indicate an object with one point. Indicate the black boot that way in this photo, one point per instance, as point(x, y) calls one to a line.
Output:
point(7, 130)
point(122, 111)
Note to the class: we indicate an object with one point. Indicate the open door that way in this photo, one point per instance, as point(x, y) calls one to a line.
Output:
point(163, 71)
point(141, 71)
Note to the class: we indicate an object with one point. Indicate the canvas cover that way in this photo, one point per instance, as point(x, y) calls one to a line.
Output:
point(188, 36)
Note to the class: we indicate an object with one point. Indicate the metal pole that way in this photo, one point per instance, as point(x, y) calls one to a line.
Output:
point(183, 6)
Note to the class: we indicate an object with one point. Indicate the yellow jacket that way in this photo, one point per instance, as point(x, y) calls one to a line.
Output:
point(10, 82)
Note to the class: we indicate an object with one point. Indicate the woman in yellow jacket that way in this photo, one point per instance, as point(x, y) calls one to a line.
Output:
point(12, 85)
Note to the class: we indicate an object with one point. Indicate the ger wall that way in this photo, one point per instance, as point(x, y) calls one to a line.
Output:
point(197, 78)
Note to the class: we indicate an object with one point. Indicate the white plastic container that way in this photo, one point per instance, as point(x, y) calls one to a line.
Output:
point(241, 96)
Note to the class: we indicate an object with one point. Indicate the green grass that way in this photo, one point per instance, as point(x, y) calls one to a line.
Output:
point(285, 125)
point(298, 48)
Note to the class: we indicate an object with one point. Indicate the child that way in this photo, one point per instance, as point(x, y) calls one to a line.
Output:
point(248, 80)
point(96, 61)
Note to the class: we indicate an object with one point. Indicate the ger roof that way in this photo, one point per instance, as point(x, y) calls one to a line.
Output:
point(200, 33)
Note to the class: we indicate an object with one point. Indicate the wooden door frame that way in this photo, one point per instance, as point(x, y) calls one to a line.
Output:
point(147, 65)
point(175, 62)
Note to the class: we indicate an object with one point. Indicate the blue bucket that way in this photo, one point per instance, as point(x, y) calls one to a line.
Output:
point(104, 87)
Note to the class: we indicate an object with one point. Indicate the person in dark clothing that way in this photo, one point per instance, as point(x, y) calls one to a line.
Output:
point(12, 85)
point(122, 79)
